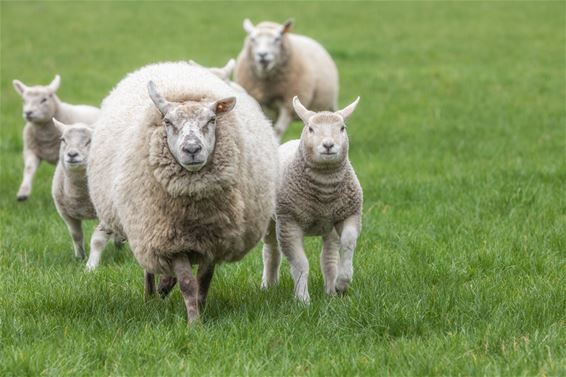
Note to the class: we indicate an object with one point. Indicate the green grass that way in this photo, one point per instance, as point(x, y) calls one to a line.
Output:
point(459, 143)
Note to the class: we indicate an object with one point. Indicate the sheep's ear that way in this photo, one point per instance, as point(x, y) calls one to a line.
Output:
point(54, 85)
point(60, 126)
point(287, 26)
point(228, 68)
point(20, 87)
point(348, 110)
point(301, 111)
point(224, 105)
point(161, 103)
point(248, 26)
point(192, 62)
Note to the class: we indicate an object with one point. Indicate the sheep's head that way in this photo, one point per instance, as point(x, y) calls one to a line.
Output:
point(190, 127)
point(266, 44)
point(75, 145)
point(40, 103)
point(324, 137)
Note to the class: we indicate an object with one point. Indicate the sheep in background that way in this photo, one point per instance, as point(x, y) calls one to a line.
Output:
point(275, 65)
point(41, 137)
point(319, 195)
point(189, 177)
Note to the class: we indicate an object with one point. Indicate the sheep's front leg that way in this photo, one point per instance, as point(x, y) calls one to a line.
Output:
point(76, 231)
point(290, 237)
point(329, 261)
point(31, 163)
point(284, 118)
point(149, 285)
point(204, 277)
point(349, 230)
point(271, 258)
point(98, 241)
point(188, 284)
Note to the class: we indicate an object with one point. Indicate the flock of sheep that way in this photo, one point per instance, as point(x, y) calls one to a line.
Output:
point(183, 164)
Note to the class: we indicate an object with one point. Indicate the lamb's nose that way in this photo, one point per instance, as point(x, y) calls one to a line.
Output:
point(328, 145)
point(28, 113)
point(72, 154)
point(192, 148)
point(262, 55)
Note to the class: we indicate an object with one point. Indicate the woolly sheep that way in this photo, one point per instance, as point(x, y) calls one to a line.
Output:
point(275, 65)
point(41, 137)
point(189, 177)
point(319, 195)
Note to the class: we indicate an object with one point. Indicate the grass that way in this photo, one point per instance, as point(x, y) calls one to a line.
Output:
point(459, 142)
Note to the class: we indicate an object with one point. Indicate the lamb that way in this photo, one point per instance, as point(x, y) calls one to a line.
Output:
point(275, 65)
point(319, 195)
point(41, 137)
point(189, 178)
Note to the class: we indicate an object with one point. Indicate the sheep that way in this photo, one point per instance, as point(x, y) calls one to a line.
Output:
point(319, 195)
point(275, 65)
point(41, 137)
point(189, 177)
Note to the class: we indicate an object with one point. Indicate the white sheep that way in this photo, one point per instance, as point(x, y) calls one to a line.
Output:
point(70, 186)
point(319, 195)
point(189, 177)
point(275, 65)
point(41, 137)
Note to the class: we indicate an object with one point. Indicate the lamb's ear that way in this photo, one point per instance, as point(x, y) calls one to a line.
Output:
point(228, 68)
point(54, 85)
point(161, 103)
point(287, 26)
point(224, 105)
point(60, 126)
point(301, 111)
point(348, 110)
point(19, 86)
point(248, 26)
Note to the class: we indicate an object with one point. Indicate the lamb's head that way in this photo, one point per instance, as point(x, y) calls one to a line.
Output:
point(40, 103)
point(267, 44)
point(190, 127)
point(75, 145)
point(324, 138)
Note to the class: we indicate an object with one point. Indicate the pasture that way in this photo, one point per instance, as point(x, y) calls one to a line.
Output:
point(459, 143)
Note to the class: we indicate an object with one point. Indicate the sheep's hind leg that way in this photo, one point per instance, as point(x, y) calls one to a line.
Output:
point(188, 284)
point(349, 230)
point(149, 285)
point(271, 258)
point(329, 261)
point(204, 277)
point(166, 284)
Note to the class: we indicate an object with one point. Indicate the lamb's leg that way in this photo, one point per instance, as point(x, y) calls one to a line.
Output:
point(98, 241)
point(188, 284)
point(149, 285)
point(329, 261)
point(349, 230)
point(290, 237)
point(166, 284)
point(31, 162)
point(76, 231)
point(271, 258)
point(204, 277)
point(284, 118)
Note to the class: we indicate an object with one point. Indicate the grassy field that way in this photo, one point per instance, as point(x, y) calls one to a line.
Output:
point(459, 143)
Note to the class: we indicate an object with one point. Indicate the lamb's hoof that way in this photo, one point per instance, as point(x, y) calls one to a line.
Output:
point(90, 268)
point(21, 198)
point(342, 286)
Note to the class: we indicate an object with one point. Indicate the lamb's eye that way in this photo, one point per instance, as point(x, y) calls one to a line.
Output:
point(342, 129)
point(168, 123)
point(252, 39)
point(87, 143)
point(62, 140)
point(311, 130)
point(212, 121)
point(43, 100)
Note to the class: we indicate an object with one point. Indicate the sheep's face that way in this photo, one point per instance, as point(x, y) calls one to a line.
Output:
point(75, 145)
point(40, 103)
point(266, 45)
point(324, 137)
point(191, 127)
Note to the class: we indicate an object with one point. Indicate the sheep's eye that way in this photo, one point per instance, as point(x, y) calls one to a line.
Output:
point(87, 143)
point(62, 140)
point(252, 39)
point(43, 100)
point(277, 39)
point(168, 122)
point(211, 121)
point(342, 128)
point(311, 130)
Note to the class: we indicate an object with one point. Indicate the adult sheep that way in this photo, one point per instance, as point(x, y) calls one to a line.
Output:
point(184, 167)
point(276, 65)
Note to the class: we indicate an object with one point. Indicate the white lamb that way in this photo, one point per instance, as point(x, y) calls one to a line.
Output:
point(189, 177)
point(275, 65)
point(319, 195)
point(41, 137)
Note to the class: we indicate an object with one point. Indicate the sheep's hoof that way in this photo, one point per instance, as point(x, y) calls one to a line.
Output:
point(22, 198)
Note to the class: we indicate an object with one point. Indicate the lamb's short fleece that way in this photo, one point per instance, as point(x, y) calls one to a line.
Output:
point(174, 217)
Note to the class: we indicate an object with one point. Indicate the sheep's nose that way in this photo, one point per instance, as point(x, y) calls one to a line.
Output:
point(192, 148)
point(27, 113)
point(328, 145)
point(72, 154)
